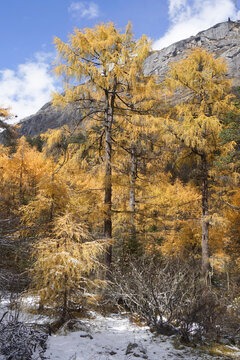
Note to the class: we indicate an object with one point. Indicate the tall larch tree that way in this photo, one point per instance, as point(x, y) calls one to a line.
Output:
point(197, 121)
point(99, 67)
point(139, 160)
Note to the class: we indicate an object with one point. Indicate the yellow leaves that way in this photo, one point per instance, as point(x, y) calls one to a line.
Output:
point(174, 197)
point(205, 75)
point(58, 100)
point(220, 261)
point(65, 260)
point(4, 112)
point(186, 241)
point(27, 162)
point(197, 130)
point(51, 198)
point(197, 121)
point(176, 215)
point(55, 140)
point(216, 220)
point(167, 218)
point(66, 227)
point(202, 70)
point(100, 57)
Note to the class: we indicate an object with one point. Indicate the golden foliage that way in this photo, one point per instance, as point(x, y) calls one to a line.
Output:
point(64, 263)
point(22, 171)
point(4, 112)
point(100, 62)
point(197, 120)
point(93, 58)
point(63, 206)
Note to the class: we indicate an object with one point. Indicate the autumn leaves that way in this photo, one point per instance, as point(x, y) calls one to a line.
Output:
point(136, 176)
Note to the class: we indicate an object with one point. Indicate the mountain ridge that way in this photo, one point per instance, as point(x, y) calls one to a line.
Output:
point(222, 39)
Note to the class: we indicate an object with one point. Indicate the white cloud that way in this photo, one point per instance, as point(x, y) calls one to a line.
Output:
point(28, 88)
point(84, 9)
point(188, 17)
point(177, 8)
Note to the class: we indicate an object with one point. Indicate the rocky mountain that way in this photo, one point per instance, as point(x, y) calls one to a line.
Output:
point(222, 39)
point(48, 117)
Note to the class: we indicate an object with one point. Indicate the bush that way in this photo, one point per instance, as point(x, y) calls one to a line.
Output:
point(167, 296)
point(20, 341)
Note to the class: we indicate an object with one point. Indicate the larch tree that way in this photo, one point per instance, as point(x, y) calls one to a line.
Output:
point(140, 162)
point(4, 113)
point(63, 264)
point(51, 194)
point(22, 171)
point(130, 148)
point(99, 67)
point(231, 133)
point(197, 121)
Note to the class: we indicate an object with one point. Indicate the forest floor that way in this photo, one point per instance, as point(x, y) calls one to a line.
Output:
point(114, 336)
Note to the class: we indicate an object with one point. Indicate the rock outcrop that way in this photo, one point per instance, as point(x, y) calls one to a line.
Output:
point(48, 117)
point(222, 39)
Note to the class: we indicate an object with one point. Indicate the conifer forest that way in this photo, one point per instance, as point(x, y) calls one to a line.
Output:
point(134, 206)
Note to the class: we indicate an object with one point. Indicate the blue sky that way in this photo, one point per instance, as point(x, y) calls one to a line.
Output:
point(27, 29)
point(28, 26)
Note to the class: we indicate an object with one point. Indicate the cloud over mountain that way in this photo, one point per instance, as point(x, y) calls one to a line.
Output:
point(28, 88)
point(188, 17)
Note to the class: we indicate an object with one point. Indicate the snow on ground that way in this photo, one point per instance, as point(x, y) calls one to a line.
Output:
point(115, 337)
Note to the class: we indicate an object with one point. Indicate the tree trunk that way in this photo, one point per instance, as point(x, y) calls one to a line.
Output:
point(21, 176)
point(52, 198)
point(65, 294)
point(205, 222)
point(65, 304)
point(108, 190)
point(132, 200)
point(109, 114)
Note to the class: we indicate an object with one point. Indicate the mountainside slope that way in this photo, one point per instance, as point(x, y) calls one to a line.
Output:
point(222, 39)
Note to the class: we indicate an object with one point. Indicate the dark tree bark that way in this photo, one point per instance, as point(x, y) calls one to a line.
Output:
point(108, 187)
point(205, 221)
point(21, 177)
point(132, 199)
point(109, 115)
point(52, 200)
point(65, 295)
point(65, 305)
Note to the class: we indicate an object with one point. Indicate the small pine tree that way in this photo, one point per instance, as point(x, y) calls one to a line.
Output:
point(64, 265)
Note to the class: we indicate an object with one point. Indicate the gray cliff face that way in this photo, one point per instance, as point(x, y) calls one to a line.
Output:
point(223, 39)
point(48, 117)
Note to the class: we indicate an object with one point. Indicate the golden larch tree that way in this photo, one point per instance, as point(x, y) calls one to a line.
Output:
point(99, 67)
point(197, 121)
point(63, 264)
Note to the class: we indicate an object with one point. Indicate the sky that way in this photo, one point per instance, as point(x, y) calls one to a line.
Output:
point(28, 27)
